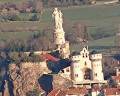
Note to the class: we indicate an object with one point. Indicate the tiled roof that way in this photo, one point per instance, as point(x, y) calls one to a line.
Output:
point(53, 92)
point(116, 78)
point(75, 53)
point(41, 90)
point(94, 52)
point(49, 57)
point(75, 91)
point(112, 91)
point(67, 68)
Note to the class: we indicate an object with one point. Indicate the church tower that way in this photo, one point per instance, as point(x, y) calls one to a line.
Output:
point(76, 73)
point(59, 35)
point(97, 70)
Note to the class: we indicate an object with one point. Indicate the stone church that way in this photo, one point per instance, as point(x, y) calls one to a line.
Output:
point(86, 67)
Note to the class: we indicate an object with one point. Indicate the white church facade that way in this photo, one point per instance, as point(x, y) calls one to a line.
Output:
point(85, 67)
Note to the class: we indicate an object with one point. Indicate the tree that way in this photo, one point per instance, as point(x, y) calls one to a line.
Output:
point(34, 92)
point(34, 18)
point(86, 34)
point(117, 41)
point(13, 57)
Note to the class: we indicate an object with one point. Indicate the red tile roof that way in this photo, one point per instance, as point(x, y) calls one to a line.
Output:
point(116, 78)
point(112, 91)
point(41, 90)
point(53, 92)
point(76, 91)
point(49, 57)
point(66, 68)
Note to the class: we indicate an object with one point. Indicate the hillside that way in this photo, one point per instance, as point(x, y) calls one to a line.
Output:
point(105, 17)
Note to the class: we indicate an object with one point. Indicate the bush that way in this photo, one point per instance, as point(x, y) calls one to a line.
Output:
point(34, 18)
point(14, 18)
point(34, 92)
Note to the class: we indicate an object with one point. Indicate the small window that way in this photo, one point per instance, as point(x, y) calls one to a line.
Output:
point(76, 75)
point(85, 64)
point(86, 54)
point(83, 55)
point(67, 70)
point(96, 74)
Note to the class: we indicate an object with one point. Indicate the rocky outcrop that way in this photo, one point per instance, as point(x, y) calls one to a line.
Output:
point(25, 77)
point(28, 76)
point(60, 82)
point(6, 91)
point(54, 81)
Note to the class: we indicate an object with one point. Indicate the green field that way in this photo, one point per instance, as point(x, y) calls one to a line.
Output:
point(14, 0)
point(105, 17)
point(100, 44)
point(93, 17)
point(16, 35)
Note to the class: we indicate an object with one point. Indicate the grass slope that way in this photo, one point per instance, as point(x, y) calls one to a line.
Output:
point(93, 17)
point(14, 0)
point(100, 44)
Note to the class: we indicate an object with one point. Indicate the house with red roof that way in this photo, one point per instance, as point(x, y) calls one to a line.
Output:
point(49, 57)
point(66, 72)
point(116, 79)
point(69, 92)
point(76, 92)
point(112, 92)
point(42, 92)
point(54, 92)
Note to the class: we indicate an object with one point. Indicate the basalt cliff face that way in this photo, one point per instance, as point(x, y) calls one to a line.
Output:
point(24, 78)
point(29, 76)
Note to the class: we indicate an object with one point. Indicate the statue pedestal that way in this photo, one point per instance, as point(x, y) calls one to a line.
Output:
point(59, 36)
point(59, 30)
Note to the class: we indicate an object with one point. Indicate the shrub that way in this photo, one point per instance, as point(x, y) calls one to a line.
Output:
point(14, 18)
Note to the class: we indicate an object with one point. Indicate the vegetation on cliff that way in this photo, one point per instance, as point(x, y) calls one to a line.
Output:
point(15, 57)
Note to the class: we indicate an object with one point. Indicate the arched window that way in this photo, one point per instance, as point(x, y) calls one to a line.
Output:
point(86, 54)
point(76, 75)
point(85, 63)
point(95, 74)
point(83, 55)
